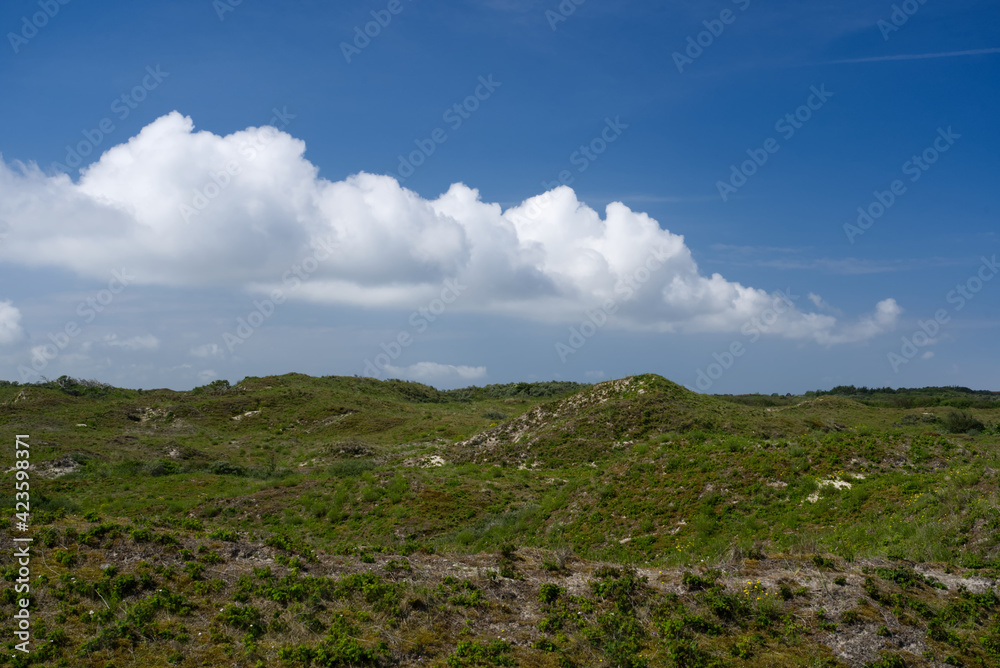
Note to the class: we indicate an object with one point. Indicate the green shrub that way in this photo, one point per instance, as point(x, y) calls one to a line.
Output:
point(194, 570)
point(960, 422)
point(381, 595)
point(279, 541)
point(991, 642)
point(822, 562)
point(549, 592)
point(905, 576)
point(245, 618)
point(350, 468)
point(462, 593)
point(888, 661)
point(65, 558)
point(141, 535)
point(473, 653)
point(695, 582)
point(225, 534)
point(225, 468)
point(212, 557)
point(685, 652)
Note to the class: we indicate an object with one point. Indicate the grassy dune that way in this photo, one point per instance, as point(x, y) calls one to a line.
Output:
point(351, 522)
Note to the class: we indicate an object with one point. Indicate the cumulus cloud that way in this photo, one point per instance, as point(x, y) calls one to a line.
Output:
point(882, 320)
point(427, 372)
point(10, 323)
point(823, 305)
point(247, 210)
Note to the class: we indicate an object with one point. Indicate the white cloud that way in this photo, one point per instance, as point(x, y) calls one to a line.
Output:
point(10, 323)
point(882, 320)
point(146, 342)
point(927, 355)
point(548, 259)
point(427, 372)
point(823, 305)
point(207, 350)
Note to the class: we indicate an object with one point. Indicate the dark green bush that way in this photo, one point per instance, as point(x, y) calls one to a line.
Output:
point(349, 468)
point(225, 468)
point(961, 422)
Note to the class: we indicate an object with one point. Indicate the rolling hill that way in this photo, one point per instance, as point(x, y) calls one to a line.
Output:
point(350, 521)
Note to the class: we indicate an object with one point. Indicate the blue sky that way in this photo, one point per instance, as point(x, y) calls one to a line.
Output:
point(195, 190)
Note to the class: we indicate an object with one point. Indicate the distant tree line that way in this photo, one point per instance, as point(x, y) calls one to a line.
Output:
point(420, 393)
point(953, 395)
point(404, 389)
point(75, 387)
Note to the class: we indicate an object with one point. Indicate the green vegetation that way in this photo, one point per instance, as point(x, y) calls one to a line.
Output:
point(346, 521)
